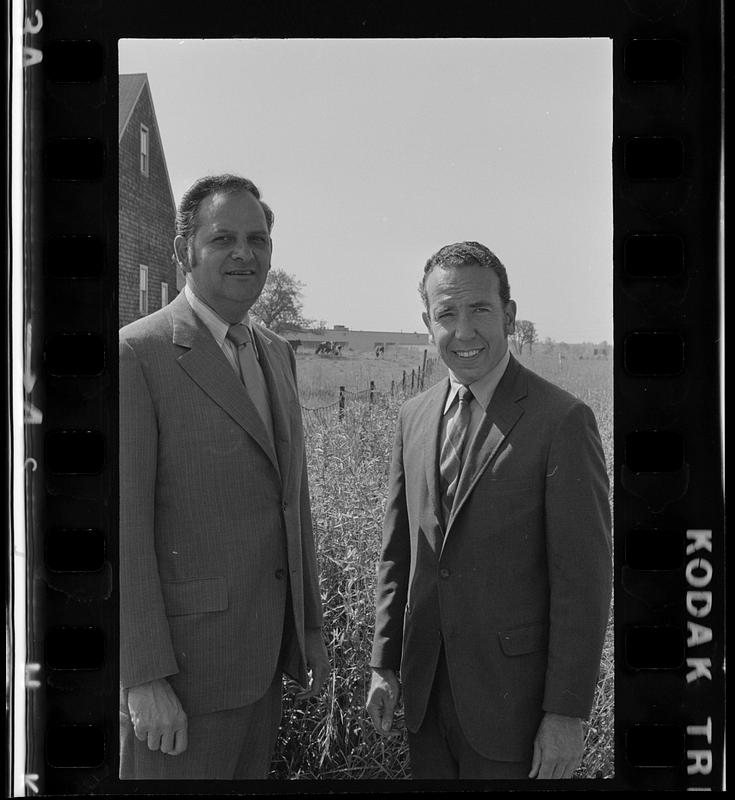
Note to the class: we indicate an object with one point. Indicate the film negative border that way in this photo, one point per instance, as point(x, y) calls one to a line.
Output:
point(669, 546)
point(70, 582)
point(668, 626)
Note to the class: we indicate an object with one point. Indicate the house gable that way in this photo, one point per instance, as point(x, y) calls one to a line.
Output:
point(147, 211)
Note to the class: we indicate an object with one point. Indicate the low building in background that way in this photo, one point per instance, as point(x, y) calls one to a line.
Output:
point(357, 341)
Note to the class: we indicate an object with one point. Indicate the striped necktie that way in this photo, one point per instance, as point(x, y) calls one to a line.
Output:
point(251, 373)
point(450, 458)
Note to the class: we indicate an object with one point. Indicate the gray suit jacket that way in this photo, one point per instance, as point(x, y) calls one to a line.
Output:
point(516, 584)
point(215, 521)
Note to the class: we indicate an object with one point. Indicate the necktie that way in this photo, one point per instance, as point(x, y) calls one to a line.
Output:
point(251, 373)
point(450, 458)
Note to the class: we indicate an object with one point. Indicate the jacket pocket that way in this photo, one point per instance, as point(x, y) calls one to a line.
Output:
point(527, 639)
point(195, 596)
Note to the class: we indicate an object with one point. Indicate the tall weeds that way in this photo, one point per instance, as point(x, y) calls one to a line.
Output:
point(331, 736)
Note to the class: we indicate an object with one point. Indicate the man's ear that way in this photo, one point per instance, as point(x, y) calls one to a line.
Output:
point(181, 251)
point(427, 322)
point(270, 256)
point(510, 317)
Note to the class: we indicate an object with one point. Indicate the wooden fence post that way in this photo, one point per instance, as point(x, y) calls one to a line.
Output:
point(341, 402)
point(403, 385)
point(413, 378)
point(372, 392)
point(392, 389)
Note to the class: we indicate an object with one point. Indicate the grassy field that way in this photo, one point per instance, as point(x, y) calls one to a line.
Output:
point(330, 737)
point(321, 376)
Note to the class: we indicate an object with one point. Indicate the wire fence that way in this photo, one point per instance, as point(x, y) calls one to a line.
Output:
point(412, 382)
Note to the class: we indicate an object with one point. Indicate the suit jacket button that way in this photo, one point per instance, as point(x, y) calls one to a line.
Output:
point(280, 573)
point(444, 573)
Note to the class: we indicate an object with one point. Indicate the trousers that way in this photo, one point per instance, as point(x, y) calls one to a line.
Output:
point(440, 750)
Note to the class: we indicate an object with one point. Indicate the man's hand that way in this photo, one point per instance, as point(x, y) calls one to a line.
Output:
point(557, 748)
point(382, 699)
point(317, 662)
point(158, 717)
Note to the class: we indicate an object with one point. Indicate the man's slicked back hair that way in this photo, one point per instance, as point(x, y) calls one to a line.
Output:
point(465, 254)
point(186, 216)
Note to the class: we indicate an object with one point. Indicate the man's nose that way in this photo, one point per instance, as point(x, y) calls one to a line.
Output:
point(464, 329)
point(242, 251)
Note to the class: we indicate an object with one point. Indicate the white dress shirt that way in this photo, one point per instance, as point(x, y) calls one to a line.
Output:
point(482, 393)
point(218, 327)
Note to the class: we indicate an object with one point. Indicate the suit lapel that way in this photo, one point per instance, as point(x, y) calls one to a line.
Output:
point(207, 366)
point(278, 385)
point(500, 418)
point(431, 424)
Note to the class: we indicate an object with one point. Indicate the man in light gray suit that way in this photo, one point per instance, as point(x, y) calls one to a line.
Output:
point(219, 588)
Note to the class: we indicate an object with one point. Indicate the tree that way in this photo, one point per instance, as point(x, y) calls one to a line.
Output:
point(524, 333)
point(515, 339)
point(528, 332)
point(279, 305)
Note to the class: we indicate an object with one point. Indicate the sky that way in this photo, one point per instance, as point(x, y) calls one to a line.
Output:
point(374, 153)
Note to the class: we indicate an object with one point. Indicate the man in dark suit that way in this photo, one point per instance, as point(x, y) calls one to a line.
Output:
point(219, 589)
point(494, 579)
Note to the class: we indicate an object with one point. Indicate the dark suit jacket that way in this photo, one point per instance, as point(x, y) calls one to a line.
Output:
point(519, 588)
point(214, 521)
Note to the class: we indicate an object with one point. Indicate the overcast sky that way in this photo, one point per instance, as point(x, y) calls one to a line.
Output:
point(375, 153)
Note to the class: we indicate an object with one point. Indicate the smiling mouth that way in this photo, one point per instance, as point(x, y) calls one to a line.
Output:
point(467, 353)
point(238, 272)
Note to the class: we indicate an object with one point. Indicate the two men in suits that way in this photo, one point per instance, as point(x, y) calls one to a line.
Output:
point(495, 574)
point(219, 588)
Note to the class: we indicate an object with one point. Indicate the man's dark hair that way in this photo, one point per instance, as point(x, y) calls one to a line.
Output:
point(186, 216)
point(463, 254)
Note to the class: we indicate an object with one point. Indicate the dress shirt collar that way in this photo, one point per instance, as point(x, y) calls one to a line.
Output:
point(482, 389)
point(217, 326)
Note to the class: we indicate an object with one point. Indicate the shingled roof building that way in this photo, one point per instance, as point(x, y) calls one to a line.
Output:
point(147, 276)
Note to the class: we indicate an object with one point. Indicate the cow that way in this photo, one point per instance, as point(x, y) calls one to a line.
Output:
point(328, 349)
